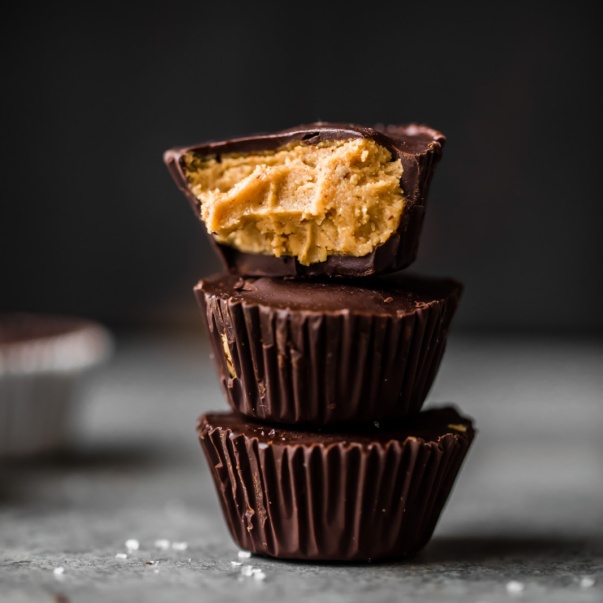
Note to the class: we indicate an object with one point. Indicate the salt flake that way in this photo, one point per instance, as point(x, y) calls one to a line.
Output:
point(514, 587)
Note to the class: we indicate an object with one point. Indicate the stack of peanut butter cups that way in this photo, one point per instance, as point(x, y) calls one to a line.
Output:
point(325, 346)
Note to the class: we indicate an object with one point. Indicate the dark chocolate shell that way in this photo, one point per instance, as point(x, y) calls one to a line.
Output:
point(334, 496)
point(328, 352)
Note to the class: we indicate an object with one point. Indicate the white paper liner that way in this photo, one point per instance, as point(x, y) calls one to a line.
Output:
point(40, 380)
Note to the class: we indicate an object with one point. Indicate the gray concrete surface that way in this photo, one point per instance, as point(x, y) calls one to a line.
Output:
point(524, 522)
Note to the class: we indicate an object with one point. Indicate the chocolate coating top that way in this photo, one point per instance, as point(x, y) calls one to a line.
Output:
point(412, 139)
point(33, 343)
point(387, 295)
point(429, 426)
point(21, 327)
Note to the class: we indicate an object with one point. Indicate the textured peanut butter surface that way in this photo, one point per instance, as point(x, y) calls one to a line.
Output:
point(340, 197)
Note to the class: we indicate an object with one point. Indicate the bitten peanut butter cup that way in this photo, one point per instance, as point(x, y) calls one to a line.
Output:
point(345, 496)
point(313, 200)
point(327, 352)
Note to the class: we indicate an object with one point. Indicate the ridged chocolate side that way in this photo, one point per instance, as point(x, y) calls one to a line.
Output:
point(326, 367)
point(339, 500)
point(417, 146)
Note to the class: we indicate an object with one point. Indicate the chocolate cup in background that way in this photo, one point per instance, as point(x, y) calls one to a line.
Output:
point(44, 360)
point(419, 148)
point(323, 496)
point(327, 352)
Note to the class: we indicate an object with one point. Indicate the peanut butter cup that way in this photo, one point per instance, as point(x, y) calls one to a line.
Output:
point(327, 352)
point(313, 200)
point(335, 496)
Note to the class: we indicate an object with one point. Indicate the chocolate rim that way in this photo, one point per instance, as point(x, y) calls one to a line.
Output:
point(398, 252)
point(317, 368)
point(32, 343)
point(346, 500)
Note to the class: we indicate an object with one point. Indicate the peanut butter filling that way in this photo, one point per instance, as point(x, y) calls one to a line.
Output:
point(340, 197)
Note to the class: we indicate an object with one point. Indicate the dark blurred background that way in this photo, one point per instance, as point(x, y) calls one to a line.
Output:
point(93, 93)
